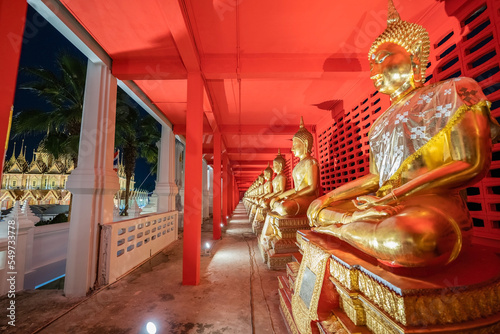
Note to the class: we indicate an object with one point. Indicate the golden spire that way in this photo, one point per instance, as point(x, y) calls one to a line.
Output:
point(21, 152)
point(14, 151)
point(301, 121)
point(279, 151)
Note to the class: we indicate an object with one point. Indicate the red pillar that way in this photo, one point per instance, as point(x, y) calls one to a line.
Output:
point(12, 18)
point(193, 177)
point(216, 187)
point(225, 188)
point(229, 192)
point(235, 191)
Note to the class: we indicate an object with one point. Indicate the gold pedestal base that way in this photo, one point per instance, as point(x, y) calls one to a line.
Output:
point(277, 242)
point(253, 210)
point(259, 219)
point(462, 297)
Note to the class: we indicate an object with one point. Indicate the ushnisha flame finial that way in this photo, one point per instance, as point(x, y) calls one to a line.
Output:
point(301, 121)
point(392, 14)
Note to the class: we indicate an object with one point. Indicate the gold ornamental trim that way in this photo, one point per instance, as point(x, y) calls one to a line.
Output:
point(286, 313)
point(315, 259)
point(346, 276)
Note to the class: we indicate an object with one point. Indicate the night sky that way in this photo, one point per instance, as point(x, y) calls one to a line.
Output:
point(41, 44)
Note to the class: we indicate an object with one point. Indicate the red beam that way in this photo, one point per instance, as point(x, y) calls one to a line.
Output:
point(149, 69)
point(181, 32)
point(300, 66)
point(180, 129)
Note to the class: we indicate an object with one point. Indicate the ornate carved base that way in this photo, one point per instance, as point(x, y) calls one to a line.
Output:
point(277, 241)
point(462, 297)
point(278, 261)
point(263, 252)
point(258, 221)
point(251, 216)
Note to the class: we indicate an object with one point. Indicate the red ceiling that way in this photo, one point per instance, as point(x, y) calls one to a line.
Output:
point(293, 57)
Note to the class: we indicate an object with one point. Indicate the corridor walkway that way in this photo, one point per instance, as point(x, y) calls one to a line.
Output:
point(237, 294)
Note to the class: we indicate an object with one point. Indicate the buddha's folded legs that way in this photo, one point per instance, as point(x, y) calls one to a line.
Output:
point(426, 231)
point(294, 207)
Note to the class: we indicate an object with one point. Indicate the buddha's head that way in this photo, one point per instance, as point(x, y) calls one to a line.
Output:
point(302, 141)
point(278, 163)
point(260, 179)
point(398, 57)
point(268, 173)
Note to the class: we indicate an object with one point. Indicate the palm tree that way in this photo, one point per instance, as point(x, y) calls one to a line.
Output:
point(64, 92)
point(136, 139)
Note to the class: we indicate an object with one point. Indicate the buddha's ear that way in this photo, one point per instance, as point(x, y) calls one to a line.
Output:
point(416, 56)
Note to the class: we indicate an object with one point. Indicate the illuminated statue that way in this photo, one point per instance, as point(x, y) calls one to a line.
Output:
point(260, 191)
point(294, 202)
point(265, 189)
point(277, 242)
point(278, 183)
point(268, 185)
point(278, 187)
point(429, 145)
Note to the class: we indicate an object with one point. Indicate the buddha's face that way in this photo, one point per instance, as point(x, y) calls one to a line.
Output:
point(267, 174)
point(277, 167)
point(391, 67)
point(299, 148)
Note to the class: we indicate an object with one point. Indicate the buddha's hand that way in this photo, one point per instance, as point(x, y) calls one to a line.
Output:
point(313, 211)
point(375, 213)
point(366, 202)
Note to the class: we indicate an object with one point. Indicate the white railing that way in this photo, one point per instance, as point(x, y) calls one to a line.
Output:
point(4, 285)
point(50, 247)
point(44, 256)
point(128, 243)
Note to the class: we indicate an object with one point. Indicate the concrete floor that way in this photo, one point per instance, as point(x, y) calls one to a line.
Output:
point(237, 294)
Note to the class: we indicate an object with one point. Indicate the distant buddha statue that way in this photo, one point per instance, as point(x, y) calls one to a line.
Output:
point(260, 192)
point(278, 183)
point(268, 185)
point(430, 144)
point(294, 202)
point(277, 242)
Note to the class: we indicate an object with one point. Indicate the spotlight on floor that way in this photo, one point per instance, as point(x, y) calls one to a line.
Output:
point(151, 328)
point(208, 249)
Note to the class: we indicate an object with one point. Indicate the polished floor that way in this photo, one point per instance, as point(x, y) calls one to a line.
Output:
point(237, 294)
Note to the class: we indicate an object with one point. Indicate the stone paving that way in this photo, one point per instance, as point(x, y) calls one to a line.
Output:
point(236, 294)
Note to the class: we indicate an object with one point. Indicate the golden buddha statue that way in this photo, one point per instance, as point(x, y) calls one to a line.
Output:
point(260, 191)
point(267, 185)
point(277, 241)
point(294, 202)
point(278, 183)
point(430, 144)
